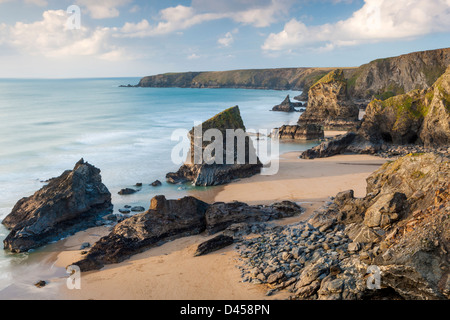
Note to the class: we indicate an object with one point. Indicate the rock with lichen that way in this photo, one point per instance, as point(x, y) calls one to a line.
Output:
point(215, 163)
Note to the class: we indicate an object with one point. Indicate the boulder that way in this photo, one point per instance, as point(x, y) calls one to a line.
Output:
point(127, 191)
point(214, 244)
point(216, 168)
point(75, 200)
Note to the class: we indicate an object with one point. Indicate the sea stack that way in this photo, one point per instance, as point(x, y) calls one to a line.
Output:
point(329, 104)
point(287, 105)
point(71, 202)
point(208, 165)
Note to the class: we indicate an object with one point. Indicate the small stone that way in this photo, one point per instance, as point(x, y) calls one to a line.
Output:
point(138, 209)
point(286, 256)
point(274, 277)
point(127, 191)
point(124, 211)
point(85, 245)
point(354, 246)
point(40, 284)
point(139, 184)
point(156, 183)
point(271, 292)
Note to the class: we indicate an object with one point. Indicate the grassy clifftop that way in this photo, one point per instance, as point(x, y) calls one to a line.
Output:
point(277, 79)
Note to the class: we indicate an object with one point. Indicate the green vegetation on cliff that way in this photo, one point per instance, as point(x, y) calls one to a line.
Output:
point(333, 76)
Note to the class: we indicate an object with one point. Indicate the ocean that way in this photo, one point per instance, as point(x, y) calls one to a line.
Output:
point(46, 126)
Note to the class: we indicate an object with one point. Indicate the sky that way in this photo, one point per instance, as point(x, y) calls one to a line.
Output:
point(132, 38)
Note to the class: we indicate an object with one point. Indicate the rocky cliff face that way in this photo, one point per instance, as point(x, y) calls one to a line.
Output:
point(418, 117)
point(172, 219)
point(383, 78)
point(391, 244)
point(68, 203)
point(329, 104)
point(217, 170)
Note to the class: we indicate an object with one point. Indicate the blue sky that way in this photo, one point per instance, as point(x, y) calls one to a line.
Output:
point(121, 38)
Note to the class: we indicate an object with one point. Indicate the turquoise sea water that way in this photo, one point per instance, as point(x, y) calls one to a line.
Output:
point(46, 126)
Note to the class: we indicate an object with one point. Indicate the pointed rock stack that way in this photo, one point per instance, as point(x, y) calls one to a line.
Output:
point(204, 171)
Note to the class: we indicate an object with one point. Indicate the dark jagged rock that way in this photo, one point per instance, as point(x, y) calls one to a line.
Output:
point(331, 147)
point(329, 104)
point(127, 191)
point(287, 105)
point(172, 219)
point(221, 215)
point(73, 201)
point(303, 132)
point(165, 220)
point(156, 183)
point(216, 170)
point(214, 244)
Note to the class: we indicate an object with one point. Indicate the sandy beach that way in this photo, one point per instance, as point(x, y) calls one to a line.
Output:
point(171, 272)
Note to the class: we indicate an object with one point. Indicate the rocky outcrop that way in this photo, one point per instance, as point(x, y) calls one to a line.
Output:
point(297, 132)
point(330, 147)
point(221, 215)
point(172, 219)
point(214, 244)
point(391, 244)
point(216, 168)
point(287, 105)
point(71, 202)
point(329, 104)
point(165, 220)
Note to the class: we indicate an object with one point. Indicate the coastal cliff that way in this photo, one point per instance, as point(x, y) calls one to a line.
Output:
point(384, 78)
point(419, 118)
point(381, 78)
point(276, 79)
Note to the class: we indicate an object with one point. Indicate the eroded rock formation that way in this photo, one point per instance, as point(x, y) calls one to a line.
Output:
point(215, 168)
point(329, 104)
point(71, 202)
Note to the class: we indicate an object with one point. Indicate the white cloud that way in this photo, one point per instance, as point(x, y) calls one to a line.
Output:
point(227, 40)
point(102, 9)
point(50, 37)
point(377, 20)
point(260, 13)
point(193, 56)
point(172, 19)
